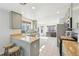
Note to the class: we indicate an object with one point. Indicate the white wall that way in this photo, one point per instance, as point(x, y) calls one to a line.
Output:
point(75, 18)
point(4, 27)
point(67, 14)
point(48, 21)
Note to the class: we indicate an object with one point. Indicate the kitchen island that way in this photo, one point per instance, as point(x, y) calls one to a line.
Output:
point(29, 44)
point(68, 46)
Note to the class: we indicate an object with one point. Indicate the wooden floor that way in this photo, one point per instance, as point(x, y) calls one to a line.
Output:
point(48, 46)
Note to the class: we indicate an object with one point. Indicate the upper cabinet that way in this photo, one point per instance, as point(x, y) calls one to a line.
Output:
point(15, 20)
point(34, 25)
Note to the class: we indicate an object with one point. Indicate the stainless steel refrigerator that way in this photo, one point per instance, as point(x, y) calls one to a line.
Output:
point(60, 32)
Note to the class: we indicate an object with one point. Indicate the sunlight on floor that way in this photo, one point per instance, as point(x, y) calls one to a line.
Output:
point(41, 49)
point(48, 46)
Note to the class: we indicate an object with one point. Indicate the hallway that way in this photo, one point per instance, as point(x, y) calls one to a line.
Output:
point(48, 46)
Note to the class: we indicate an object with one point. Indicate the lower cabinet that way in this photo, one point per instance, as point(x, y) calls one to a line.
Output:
point(34, 48)
point(28, 48)
point(69, 48)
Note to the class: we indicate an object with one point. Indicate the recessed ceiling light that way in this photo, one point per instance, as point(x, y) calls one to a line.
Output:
point(57, 12)
point(33, 8)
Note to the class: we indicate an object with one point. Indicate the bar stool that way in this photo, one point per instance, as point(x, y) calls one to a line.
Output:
point(14, 51)
point(7, 47)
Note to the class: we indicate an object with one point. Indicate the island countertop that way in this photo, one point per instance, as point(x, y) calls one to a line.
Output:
point(66, 38)
point(29, 39)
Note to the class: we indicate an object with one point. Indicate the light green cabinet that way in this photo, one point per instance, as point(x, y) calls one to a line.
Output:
point(34, 25)
point(34, 48)
point(15, 20)
point(28, 48)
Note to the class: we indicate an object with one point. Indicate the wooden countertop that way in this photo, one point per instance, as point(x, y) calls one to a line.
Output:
point(16, 36)
point(33, 39)
point(66, 38)
point(29, 39)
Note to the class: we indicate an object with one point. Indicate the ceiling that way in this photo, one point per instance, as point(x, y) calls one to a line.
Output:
point(43, 12)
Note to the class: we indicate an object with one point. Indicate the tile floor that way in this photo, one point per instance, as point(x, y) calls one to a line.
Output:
point(48, 46)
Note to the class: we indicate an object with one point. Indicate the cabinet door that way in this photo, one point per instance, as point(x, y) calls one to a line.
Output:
point(34, 25)
point(69, 48)
point(16, 20)
point(34, 48)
